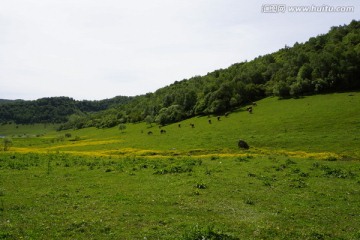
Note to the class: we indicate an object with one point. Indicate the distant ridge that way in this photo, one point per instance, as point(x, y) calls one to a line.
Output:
point(4, 101)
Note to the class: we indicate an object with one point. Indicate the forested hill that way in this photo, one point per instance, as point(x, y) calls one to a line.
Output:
point(52, 110)
point(4, 101)
point(326, 63)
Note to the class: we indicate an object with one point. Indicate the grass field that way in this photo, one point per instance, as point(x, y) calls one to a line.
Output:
point(300, 179)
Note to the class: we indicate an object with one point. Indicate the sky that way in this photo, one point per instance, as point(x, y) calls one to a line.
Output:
point(98, 49)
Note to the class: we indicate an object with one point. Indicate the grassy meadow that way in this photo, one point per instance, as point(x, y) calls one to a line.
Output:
point(300, 179)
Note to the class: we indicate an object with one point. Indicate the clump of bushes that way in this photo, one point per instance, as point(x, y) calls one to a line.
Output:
point(7, 143)
point(200, 186)
point(58, 139)
point(184, 166)
point(249, 201)
point(209, 232)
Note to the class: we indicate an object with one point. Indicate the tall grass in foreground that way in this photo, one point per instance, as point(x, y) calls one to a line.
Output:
point(60, 196)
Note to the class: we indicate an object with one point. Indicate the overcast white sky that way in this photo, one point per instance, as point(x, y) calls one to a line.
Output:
point(97, 49)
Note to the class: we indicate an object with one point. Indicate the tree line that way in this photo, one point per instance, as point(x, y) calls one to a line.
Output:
point(326, 63)
point(53, 109)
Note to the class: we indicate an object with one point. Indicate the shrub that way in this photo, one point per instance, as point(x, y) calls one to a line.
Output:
point(338, 173)
point(122, 127)
point(331, 159)
point(76, 138)
point(249, 201)
point(198, 233)
point(289, 162)
point(298, 183)
point(242, 159)
point(200, 186)
point(7, 143)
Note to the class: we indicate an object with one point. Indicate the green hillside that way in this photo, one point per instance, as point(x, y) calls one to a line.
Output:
point(167, 165)
point(325, 63)
point(299, 179)
point(321, 123)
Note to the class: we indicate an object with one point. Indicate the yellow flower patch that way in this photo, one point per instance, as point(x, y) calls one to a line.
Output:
point(200, 153)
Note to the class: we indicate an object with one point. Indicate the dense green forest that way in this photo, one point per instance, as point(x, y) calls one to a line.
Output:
point(52, 110)
point(326, 63)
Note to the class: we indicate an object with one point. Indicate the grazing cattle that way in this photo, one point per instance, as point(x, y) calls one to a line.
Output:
point(254, 104)
point(218, 118)
point(162, 131)
point(227, 114)
point(209, 121)
point(192, 125)
point(150, 132)
point(243, 144)
point(249, 109)
point(179, 125)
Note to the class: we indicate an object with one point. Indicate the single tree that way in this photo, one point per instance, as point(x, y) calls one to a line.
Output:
point(149, 120)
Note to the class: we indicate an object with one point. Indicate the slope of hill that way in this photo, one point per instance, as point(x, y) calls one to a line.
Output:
point(326, 125)
point(326, 63)
point(299, 179)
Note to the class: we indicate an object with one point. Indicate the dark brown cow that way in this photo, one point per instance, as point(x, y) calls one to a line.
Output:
point(243, 144)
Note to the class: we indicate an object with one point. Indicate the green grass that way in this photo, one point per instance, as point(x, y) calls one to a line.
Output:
point(299, 180)
point(322, 123)
point(63, 196)
point(20, 130)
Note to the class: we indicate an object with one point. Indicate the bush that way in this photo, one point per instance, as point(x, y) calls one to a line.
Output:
point(174, 113)
point(7, 143)
point(208, 233)
point(122, 127)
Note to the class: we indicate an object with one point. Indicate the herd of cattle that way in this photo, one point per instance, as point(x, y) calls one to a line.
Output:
point(241, 143)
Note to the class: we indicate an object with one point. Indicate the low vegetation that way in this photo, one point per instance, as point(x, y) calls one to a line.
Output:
point(299, 179)
point(47, 196)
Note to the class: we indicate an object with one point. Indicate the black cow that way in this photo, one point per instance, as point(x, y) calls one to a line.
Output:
point(243, 144)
